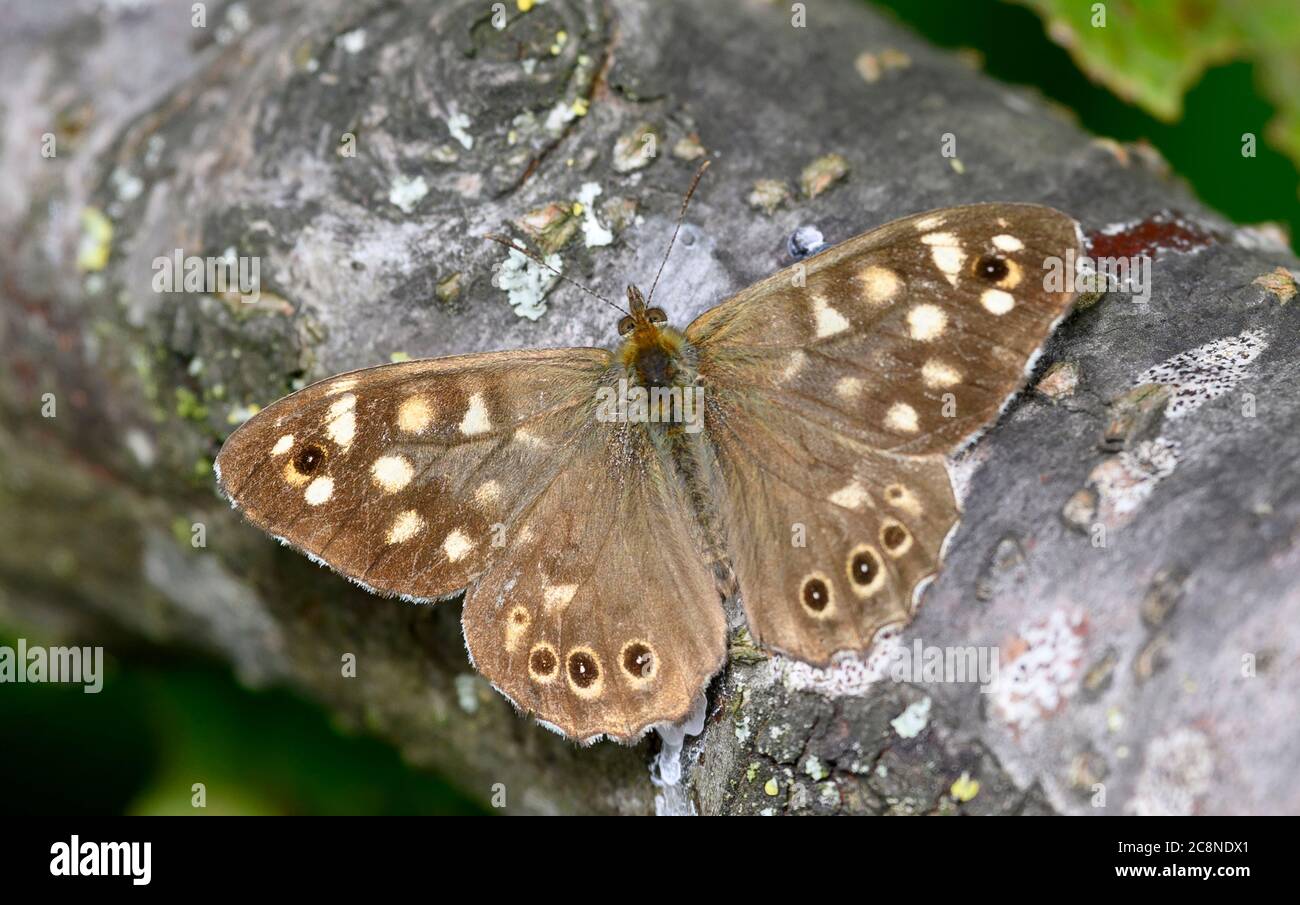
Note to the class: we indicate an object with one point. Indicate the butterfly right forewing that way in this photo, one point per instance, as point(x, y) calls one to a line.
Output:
point(874, 336)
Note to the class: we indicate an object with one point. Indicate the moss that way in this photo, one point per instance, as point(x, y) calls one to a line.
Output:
point(743, 650)
point(189, 406)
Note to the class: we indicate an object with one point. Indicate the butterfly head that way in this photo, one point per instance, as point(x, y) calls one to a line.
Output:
point(651, 348)
point(642, 320)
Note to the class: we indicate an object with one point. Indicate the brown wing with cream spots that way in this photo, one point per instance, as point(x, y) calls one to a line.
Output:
point(405, 477)
point(604, 618)
point(833, 391)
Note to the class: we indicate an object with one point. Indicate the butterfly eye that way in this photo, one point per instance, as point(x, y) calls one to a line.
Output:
point(308, 459)
point(657, 316)
point(816, 595)
point(864, 567)
point(992, 268)
point(626, 325)
point(639, 660)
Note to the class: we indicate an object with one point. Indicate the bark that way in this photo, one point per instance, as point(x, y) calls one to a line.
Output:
point(1132, 556)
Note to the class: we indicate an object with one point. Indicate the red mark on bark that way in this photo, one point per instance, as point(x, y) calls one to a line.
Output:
point(1165, 231)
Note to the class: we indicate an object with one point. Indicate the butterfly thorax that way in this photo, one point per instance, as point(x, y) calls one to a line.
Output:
point(653, 355)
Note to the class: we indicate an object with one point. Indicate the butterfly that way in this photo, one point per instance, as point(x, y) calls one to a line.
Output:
point(596, 544)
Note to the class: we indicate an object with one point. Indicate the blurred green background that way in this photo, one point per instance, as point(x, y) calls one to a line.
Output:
point(162, 723)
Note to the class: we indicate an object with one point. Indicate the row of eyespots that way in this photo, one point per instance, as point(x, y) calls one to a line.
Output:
point(583, 669)
point(863, 568)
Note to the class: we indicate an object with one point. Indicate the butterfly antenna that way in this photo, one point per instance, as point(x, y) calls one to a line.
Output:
point(510, 243)
point(680, 217)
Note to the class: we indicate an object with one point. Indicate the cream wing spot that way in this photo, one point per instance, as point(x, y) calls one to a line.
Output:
point(414, 414)
point(392, 473)
point(341, 421)
point(456, 545)
point(851, 496)
point(319, 491)
point(517, 622)
point(342, 429)
point(939, 375)
point(487, 493)
point(879, 284)
point(997, 302)
point(900, 497)
point(558, 596)
point(529, 439)
point(946, 250)
point(476, 420)
point(404, 527)
point(925, 224)
point(849, 388)
point(926, 322)
point(283, 445)
point(829, 321)
point(901, 418)
point(1006, 242)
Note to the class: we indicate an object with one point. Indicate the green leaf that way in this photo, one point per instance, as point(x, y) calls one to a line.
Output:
point(1151, 53)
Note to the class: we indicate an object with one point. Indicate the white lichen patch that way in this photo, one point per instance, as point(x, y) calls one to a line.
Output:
point(1040, 669)
point(353, 41)
point(458, 125)
point(1125, 482)
point(467, 692)
point(1176, 771)
point(526, 282)
point(593, 234)
point(141, 447)
point(849, 674)
point(913, 720)
point(1206, 372)
point(558, 117)
point(815, 768)
point(405, 193)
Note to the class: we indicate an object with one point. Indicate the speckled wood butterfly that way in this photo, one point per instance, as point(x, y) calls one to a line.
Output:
point(595, 548)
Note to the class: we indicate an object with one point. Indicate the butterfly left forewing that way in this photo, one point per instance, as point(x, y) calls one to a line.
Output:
point(834, 389)
point(399, 476)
